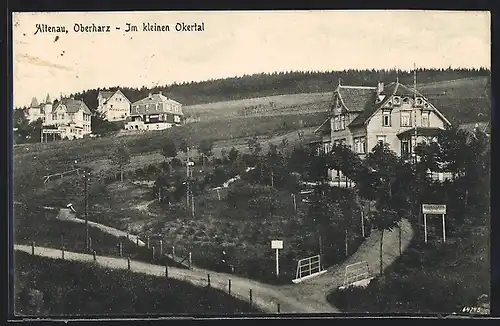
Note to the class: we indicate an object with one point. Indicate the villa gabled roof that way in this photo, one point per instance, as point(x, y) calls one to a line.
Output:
point(109, 94)
point(106, 94)
point(355, 98)
point(72, 105)
point(393, 89)
point(155, 103)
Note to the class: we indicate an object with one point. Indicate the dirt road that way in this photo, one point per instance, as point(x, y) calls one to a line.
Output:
point(266, 297)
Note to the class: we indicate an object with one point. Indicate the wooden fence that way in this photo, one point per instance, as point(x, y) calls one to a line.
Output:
point(208, 282)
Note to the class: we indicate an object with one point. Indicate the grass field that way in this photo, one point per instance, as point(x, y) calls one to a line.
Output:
point(59, 156)
point(45, 286)
point(271, 105)
point(462, 100)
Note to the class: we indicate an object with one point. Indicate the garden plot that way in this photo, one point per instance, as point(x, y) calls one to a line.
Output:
point(245, 235)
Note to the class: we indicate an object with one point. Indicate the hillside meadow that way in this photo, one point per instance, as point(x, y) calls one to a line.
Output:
point(60, 156)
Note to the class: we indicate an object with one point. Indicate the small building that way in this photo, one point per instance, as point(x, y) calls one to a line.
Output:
point(155, 112)
point(68, 118)
point(114, 105)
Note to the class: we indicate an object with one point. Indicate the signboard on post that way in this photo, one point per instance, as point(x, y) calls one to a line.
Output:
point(277, 244)
point(434, 209)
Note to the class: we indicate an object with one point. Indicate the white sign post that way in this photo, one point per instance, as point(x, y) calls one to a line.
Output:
point(277, 244)
point(434, 210)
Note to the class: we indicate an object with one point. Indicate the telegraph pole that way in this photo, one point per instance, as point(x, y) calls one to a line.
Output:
point(85, 177)
point(187, 177)
point(415, 109)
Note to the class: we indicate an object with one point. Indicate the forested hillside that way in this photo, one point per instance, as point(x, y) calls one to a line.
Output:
point(268, 84)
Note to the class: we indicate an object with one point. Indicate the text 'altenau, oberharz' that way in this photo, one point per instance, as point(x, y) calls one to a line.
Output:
point(178, 27)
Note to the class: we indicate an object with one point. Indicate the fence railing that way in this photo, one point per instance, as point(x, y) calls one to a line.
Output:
point(209, 281)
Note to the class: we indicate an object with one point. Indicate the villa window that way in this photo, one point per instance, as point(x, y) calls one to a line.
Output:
point(405, 118)
point(339, 122)
point(425, 119)
point(342, 122)
point(386, 118)
point(360, 145)
point(405, 149)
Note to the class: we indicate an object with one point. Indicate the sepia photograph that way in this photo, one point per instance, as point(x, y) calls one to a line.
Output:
point(251, 163)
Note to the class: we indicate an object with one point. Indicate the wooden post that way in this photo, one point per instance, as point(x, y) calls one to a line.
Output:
point(251, 299)
point(120, 249)
point(90, 243)
point(362, 222)
point(444, 230)
point(208, 277)
point(62, 253)
point(346, 243)
point(137, 241)
point(128, 263)
point(62, 240)
point(33, 247)
point(425, 228)
point(161, 248)
point(278, 307)
point(173, 253)
point(166, 270)
point(148, 242)
point(229, 287)
point(153, 253)
point(190, 261)
point(94, 254)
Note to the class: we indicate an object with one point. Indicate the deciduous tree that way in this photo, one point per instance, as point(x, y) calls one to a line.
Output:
point(169, 151)
point(120, 158)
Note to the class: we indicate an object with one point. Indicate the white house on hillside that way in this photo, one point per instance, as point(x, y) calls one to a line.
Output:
point(37, 110)
point(155, 112)
point(68, 118)
point(114, 105)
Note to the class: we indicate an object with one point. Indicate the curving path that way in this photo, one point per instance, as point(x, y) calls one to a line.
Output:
point(317, 289)
point(266, 297)
point(66, 214)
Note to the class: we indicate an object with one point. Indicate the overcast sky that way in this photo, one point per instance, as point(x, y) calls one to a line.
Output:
point(235, 43)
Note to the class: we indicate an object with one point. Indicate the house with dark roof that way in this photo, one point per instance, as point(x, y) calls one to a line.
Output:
point(363, 116)
point(114, 105)
point(155, 112)
point(68, 118)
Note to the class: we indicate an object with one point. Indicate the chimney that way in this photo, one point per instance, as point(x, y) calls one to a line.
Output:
point(150, 95)
point(380, 87)
point(159, 92)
